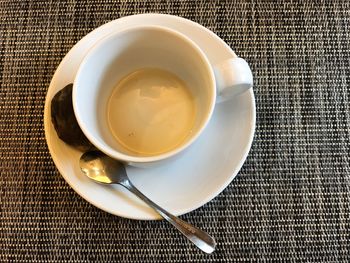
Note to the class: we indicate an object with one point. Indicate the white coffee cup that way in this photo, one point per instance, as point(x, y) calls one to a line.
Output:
point(119, 54)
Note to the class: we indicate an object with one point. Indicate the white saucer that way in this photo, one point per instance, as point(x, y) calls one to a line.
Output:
point(199, 174)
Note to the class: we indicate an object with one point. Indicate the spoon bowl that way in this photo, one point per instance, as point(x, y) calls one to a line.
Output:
point(101, 168)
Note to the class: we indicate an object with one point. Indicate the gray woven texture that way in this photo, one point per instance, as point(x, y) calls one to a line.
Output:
point(289, 203)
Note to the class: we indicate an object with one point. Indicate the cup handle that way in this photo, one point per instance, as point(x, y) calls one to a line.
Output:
point(233, 77)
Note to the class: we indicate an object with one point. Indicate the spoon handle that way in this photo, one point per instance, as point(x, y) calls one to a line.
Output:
point(198, 237)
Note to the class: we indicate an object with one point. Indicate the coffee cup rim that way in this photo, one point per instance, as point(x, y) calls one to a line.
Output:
point(142, 159)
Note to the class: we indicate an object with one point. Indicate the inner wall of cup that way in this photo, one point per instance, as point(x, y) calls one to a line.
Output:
point(124, 53)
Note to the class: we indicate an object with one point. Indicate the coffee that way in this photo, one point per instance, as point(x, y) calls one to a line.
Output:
point(151, 111)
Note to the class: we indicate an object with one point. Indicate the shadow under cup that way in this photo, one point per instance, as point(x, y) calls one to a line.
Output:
point(122, 53)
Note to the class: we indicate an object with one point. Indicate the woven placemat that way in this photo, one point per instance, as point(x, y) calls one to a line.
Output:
point(291, 200)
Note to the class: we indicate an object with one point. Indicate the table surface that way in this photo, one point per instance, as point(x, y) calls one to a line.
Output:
point(290, 201)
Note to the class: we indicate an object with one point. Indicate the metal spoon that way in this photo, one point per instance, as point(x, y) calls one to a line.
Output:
point(103, 169)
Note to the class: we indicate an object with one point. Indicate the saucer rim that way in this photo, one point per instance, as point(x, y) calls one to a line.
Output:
point(212, 194)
